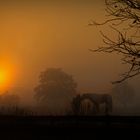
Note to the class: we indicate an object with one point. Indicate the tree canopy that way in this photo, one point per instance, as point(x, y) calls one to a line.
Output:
point(55, 88)
point(123, 93)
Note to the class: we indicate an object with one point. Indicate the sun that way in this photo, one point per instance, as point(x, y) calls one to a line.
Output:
point(4, 78)
point(7, 75)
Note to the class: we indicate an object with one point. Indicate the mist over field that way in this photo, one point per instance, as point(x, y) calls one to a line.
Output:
point(37, 36)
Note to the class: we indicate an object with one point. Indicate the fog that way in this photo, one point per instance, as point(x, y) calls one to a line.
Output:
point(40, 35)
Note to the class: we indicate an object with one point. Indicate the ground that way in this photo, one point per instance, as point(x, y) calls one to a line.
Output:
point(68, 127)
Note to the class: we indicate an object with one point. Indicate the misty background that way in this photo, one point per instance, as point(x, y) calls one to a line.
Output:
point(40, 35)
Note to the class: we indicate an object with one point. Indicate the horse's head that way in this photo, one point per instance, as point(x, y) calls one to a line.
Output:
point(76, 103)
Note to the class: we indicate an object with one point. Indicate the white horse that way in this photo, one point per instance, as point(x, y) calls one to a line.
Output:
point(81, 106)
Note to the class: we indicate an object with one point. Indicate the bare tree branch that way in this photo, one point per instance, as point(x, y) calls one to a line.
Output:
point(128, 46)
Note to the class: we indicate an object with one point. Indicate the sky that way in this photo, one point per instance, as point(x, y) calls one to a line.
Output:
point(36, 35)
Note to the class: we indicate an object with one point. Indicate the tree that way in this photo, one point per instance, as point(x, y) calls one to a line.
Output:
point(9, 100)
point(56, 89)
point(123, 94)
point(127, 43)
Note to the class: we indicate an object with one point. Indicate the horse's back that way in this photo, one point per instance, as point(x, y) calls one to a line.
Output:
point(94, 96)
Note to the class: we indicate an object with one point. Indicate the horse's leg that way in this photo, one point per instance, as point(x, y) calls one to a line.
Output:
point(106, 109)
point(108, 104)
point(97, 109)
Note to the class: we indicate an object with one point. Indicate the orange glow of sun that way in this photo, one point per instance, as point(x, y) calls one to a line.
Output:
point(7, 75)
point(4, 78)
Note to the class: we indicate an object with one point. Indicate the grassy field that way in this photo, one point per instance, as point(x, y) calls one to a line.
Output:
point(14, 127)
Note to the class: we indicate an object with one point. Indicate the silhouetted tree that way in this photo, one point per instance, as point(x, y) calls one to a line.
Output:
point(9, 99)
point(56, 89)
point(127, 14)
point(123, 94)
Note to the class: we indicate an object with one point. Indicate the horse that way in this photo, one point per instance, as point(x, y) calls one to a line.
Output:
point(80, 108)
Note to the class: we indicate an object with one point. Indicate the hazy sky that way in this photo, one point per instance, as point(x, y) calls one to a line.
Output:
point(38, 35)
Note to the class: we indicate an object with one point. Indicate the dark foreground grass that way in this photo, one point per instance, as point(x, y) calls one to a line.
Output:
point(68, 127)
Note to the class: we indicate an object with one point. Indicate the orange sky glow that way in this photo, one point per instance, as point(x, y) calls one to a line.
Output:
point(9, 72)
point(38, 36)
